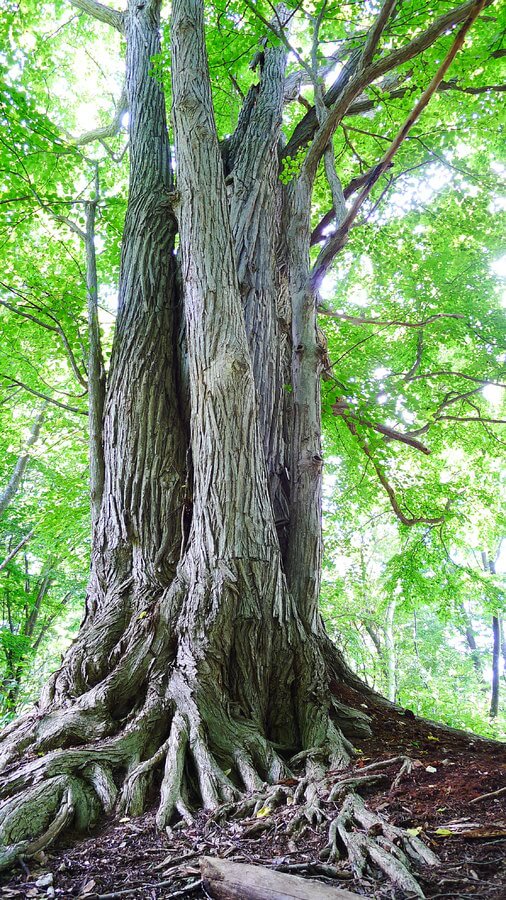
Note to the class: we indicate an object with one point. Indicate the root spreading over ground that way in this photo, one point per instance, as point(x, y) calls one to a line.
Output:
point(387, 825)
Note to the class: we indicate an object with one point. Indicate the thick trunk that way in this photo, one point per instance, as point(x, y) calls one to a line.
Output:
point(137, 537)
point(255, 199)
point(305, 544)
point(194, 648)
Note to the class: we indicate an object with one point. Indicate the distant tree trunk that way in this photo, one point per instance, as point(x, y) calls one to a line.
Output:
point(9, 492)
point(390, 652)
point(96, 370)
point(489, 566)
point(496, 656)
point(471, 641)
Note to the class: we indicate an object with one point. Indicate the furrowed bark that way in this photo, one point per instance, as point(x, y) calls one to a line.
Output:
point(138, 534)
point(255, 216)
point(304, 545)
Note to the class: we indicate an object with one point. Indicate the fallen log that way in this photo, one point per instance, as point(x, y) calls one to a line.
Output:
point(226, 880)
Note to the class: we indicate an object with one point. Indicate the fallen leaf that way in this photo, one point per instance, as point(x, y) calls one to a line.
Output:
point(414, 832)
point(265, 811)
point(443, 832)
point(430, 737)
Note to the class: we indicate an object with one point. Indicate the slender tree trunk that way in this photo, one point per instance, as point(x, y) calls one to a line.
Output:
point(489, 566)
point(305, 543)
point(390, 652)
point(96, 370)
point(496, 656)
point(16, 478)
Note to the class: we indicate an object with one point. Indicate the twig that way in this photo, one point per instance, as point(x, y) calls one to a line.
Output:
point(491, 794)
point(181, 893)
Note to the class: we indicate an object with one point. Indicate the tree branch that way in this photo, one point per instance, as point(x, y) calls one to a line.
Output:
point(365, 105)
point(350, 83)
point(406, 520)
point(341, 408)
point(102, 13)
point(374, 36)
point(114, 127)
point(10, 556)
point(25, 387)
point(340, 237)
point(474, 419)
point(56, 329)
point(19, 469)
point(444, 373)
point(365, 320)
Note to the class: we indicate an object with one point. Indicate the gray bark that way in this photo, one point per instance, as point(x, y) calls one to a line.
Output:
point(96, 370)
point(193, 646)
point(305, 544)
point(138, 532)
point(20, 467)
point(255, 200)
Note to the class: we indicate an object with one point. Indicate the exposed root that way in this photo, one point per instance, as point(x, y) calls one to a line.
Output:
point(45, 811)
point(171, 797)
point(369, 840)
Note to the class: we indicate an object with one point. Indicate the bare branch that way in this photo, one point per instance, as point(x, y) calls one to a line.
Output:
point(374, 36)
point(25, 387)
point(10, 556)
point(444, 373)
point(467, 11)
point(350, 83)
point(340, 237)
point(365, 320)
point(106, 131)
point(367, 103)
point(102, 13)
point(474, 419)
point(342, 408)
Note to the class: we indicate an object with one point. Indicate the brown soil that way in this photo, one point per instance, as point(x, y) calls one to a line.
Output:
point(131, 856)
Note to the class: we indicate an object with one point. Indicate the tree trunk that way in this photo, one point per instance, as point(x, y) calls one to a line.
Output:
point(201, 642)
point(8, 494)
point(96, 370)
point(496, 655)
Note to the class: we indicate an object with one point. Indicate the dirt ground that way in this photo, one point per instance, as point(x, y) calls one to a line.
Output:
point(131, 859)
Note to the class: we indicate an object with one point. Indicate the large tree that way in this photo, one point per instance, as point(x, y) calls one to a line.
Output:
point(202, 666)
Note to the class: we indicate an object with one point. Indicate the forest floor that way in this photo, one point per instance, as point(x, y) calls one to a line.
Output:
point(451, 770)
